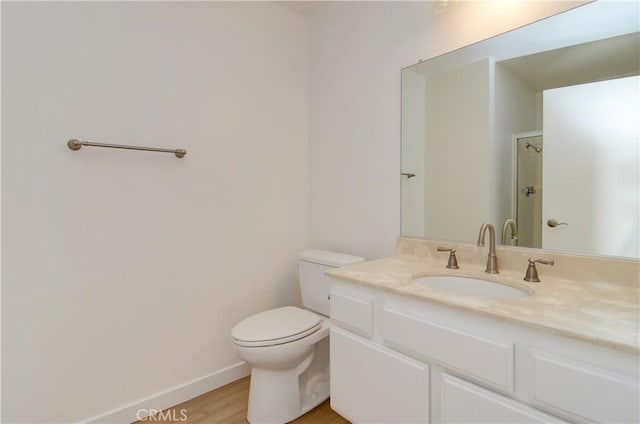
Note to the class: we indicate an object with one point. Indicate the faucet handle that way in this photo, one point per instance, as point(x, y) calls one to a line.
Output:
point(453, 261)
point(532, 273)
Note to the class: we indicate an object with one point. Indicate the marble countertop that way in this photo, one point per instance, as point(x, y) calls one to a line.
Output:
point(599, 312)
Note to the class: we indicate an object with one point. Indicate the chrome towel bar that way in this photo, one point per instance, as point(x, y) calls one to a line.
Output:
point(74, 144)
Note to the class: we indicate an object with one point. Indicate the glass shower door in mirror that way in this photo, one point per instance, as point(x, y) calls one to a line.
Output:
point(528, 189)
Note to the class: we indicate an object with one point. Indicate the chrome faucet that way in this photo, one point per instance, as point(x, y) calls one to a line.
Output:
point(492, 259)
point(510, 223)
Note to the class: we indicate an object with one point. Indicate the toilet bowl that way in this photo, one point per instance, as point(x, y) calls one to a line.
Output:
point(288, 347)
point(275, 393)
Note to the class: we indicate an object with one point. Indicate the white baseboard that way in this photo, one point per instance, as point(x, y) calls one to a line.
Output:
point(163, 400)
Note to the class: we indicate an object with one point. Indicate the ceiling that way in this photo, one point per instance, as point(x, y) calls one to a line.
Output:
point(579, 64)
point(303, 8)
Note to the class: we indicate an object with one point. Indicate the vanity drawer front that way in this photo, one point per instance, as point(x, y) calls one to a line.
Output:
point(583, 391)
point(352, 314)
point(486, 360)
point(463, 402)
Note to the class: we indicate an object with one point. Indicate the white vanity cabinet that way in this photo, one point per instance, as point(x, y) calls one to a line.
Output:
point(583, 391)
point(370, 383)
point(491, 361)
point(401, 359)
point(464, 402)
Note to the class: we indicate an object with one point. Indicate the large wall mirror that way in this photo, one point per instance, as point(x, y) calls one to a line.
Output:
point(537, 127)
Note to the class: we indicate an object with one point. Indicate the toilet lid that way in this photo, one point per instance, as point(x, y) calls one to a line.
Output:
point(276, 326)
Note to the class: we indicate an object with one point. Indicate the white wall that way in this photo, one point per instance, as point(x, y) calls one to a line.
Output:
point(457, 162)
point(357, 51)
point(515, 112)
point(413, 127)
point(125, 271)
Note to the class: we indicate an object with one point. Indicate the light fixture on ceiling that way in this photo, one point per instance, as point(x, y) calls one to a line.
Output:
point(441, 6)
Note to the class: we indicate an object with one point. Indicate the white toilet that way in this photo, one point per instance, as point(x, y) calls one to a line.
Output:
point(288, 348)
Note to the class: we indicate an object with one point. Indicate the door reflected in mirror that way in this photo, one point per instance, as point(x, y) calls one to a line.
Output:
point(538, 126)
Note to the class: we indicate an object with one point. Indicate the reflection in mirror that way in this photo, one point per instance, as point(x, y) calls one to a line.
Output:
point(538, 126)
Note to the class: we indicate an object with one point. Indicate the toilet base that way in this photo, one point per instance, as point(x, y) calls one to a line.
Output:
point(280, 396)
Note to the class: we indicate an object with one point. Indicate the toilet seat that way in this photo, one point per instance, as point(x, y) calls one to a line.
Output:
point(276, 326)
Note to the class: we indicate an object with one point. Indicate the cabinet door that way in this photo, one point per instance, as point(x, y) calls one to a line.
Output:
point(371, 384)
point(463, 402)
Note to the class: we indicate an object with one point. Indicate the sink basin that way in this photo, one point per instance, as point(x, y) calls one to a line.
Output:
point(471, 287)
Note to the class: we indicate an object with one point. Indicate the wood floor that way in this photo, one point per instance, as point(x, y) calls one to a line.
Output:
point(228, 405)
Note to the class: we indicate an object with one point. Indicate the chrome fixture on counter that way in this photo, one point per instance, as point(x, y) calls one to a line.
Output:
point(532, 273)
point(74, 144)
point(453, 261)
point(492, 259)
point(510, 223)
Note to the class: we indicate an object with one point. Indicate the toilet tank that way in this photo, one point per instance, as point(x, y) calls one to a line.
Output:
point(314, 284)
